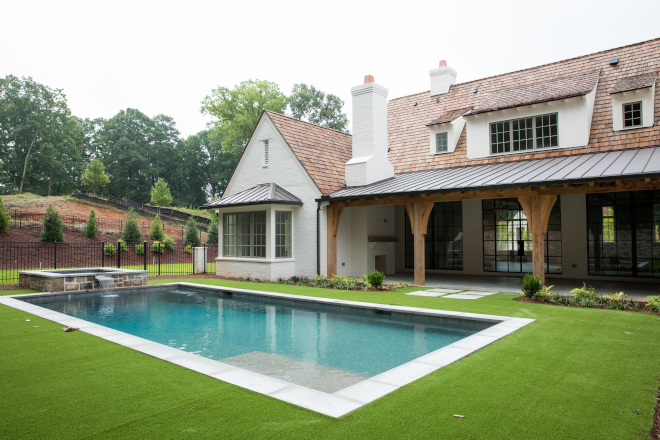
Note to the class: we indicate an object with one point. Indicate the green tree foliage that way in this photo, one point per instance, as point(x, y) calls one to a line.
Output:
point(238, 110)
point(94, 175)
point(92, 226)
point(5, 218)
point(156, 232)
point(312, 105)
point(160, 193)
point(212, 237)
point(192, 233)
point(41, 144)
point(204, 164)
point(132, 233)
point(52, 226)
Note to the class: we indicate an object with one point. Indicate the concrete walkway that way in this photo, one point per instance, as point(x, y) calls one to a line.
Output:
point(637, 290)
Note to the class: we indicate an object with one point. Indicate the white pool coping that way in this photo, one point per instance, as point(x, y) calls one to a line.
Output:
point(334, 405)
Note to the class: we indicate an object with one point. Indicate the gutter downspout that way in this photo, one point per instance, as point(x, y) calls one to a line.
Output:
point(318, 237)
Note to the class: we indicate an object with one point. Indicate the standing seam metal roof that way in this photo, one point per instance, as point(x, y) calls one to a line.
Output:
point(611, 165)
point(265, 193)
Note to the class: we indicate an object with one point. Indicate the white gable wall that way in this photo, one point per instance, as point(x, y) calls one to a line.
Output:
point(285, 170)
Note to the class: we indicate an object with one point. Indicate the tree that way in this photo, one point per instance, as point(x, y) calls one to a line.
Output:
point(192, 233)
point(160, 193)
point(312, 105)
point(132, 233)
point(5, 218)
point(92, 226)
point(94, 175)
point(36, 133)
point(212, 237)
point(53, 225)
point(238, 110)
point(156, 232)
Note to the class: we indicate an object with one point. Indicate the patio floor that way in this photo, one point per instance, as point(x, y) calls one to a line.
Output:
point(637, 290)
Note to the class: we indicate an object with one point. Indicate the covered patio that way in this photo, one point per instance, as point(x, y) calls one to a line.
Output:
point(513, 284)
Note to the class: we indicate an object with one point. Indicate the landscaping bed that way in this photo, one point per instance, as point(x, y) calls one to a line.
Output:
point(595, 306)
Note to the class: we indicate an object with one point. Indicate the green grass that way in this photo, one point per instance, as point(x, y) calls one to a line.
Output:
point(574, 373)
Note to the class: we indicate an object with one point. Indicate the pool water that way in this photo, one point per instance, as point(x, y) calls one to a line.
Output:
point(321, 346)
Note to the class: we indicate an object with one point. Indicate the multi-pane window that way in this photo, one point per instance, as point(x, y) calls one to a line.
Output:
point(283, 234)
point(524, 134)
point(623, 233)
point(632, 114)
point(440, 142)
point(506, 236)
point(443, 244)
point(244, 234)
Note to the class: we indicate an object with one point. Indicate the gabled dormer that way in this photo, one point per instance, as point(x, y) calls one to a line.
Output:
point(445, 131)
point(633, 103)
point(540, 116)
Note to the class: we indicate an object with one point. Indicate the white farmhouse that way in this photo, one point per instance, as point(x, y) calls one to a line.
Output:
point(553, 169)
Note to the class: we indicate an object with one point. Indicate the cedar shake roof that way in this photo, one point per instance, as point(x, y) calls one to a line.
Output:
point(538, 92)
point(265, 193)
point(634, 83)
point(408, 134)
point(322, 151)
point(449, 116)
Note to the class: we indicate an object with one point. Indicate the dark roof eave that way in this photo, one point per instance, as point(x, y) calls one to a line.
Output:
point(490, 187)
point(260, 202)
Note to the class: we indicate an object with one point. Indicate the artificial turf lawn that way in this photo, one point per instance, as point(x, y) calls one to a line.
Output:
point(574, 373)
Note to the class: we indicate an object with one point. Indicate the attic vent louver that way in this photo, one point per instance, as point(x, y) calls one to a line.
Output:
point(266, 152)
point(614, 61)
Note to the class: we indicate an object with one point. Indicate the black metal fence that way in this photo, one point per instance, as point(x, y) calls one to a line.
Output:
point(34, 220)
point(177, 260)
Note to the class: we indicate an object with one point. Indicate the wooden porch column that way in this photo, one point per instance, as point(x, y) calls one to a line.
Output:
point(419, 214)
point(334, 215)
point(537, 209)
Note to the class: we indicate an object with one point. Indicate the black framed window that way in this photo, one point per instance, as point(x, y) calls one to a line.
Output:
point(525, 134)
point(505, 225)
point(444, 238)
point(624, 233)
point(632, 114)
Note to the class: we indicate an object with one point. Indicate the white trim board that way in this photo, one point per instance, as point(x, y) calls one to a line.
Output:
point(334, 405)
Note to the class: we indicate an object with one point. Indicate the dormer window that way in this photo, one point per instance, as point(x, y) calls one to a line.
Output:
point(632, 114)
point(524, 134)
point(441, 142)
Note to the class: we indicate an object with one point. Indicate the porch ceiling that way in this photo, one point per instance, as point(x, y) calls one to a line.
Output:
point(630, 164)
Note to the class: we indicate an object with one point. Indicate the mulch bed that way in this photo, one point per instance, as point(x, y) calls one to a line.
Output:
point(596, 306)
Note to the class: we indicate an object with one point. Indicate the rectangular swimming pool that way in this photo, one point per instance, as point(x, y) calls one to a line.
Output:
point(320, 347)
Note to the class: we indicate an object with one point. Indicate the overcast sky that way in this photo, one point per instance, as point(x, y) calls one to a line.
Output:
point(164, 57)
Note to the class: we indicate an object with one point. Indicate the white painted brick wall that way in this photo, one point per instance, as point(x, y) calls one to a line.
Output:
point(285, 170)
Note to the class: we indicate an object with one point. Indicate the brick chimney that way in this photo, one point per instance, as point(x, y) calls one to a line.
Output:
point(442, 79)
point(369, 162)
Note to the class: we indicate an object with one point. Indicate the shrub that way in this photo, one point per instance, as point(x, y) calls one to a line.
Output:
point(157, 247)
point(92, 226)
point(545, 294)
point(653, 303)
point(374, 280)
point(132, 233)
point(139, 249)
point(531, 285)
point(566, 300)
point(585, 292)
point(212, 237)
point(5, 218)
point(53, 226)
point(109, 249)
point(192, 233)
point(188, 249)
point(616, 301)
point(400, 285)
point(121, 245)
point(156, 232)
point(168, 243)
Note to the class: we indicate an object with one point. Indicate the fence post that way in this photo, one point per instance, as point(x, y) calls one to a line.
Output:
point(103, 254)
point(159, 252)
point(145, 254)
point(55, 254)
point(119, 255)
